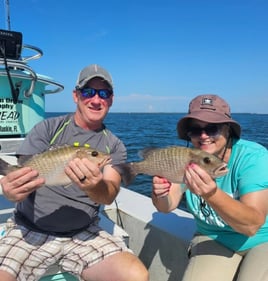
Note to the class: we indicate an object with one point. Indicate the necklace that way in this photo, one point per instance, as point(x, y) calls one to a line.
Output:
point(203, 207)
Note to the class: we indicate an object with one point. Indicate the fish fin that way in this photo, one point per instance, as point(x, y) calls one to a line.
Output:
point(57, 146)
point(68, 185)
point(149, 150)
point(3, 167)
point(23, 158)
point(146, 151)
point(126, 171)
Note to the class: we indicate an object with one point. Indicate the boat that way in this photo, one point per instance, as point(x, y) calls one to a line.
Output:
point(159, 240)
point(23, 91)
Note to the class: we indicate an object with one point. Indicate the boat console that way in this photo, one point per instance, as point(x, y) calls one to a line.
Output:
point(22, 90)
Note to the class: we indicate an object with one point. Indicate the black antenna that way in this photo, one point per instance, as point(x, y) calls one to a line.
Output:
point(10, 48)
point(7, 15)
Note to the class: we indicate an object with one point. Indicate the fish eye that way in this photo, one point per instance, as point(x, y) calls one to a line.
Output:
point(94, 153)
point(207, 160)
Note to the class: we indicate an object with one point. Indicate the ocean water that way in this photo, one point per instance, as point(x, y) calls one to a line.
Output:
point(142, 130)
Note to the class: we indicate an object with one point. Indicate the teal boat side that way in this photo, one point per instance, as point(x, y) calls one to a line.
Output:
point(59, 277)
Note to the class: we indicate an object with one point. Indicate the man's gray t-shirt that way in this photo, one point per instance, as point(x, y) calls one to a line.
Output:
point(60, 210)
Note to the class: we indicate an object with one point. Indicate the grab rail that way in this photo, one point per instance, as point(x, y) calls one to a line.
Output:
point(22, 65)
point(34, 57)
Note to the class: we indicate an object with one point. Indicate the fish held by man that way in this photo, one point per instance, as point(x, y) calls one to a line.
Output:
point(170, 163)
point(51, 163)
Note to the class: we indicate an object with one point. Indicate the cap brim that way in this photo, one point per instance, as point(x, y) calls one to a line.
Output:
point(209, 117)
point(84, 82)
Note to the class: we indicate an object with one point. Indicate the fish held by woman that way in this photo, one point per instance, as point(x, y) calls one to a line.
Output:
point(51, 163)
point(170, 163)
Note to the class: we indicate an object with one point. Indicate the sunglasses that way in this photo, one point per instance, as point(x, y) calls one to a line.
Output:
point(212, 130)
point(91, 92)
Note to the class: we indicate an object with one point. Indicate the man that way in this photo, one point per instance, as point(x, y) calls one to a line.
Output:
point(59, 224)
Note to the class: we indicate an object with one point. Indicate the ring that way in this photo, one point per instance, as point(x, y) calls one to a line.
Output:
point(83, 179)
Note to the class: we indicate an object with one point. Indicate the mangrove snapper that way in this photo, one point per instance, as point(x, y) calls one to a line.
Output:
point(170, 163)
point(51, 163)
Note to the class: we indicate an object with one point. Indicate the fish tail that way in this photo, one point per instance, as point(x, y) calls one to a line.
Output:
point(127, 173)
point(3, 167)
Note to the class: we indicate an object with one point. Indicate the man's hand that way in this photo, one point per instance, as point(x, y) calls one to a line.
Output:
point(17, 185)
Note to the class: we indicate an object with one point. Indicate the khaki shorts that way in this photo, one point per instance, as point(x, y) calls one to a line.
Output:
point(27, 254)
point(211, 261)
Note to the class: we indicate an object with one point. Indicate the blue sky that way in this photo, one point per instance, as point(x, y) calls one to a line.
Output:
point(160, 54)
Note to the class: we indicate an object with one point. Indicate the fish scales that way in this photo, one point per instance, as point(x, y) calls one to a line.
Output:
point(162, 162)
point(170, 162)
point(51, 163)
point(51, 160)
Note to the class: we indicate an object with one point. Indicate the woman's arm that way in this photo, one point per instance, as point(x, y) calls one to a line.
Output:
point(245, 215)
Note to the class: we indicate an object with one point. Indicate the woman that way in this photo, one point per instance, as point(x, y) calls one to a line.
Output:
point(231, 242)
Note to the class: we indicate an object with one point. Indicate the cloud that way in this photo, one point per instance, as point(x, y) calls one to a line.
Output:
point(150, 103)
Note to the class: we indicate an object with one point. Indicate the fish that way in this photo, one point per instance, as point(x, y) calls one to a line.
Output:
point(51, 163)
point(170, 163)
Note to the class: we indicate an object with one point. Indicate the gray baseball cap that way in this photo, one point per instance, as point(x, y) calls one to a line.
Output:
point(90, 72)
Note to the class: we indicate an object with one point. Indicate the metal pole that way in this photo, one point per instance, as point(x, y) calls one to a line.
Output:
point(7, 14)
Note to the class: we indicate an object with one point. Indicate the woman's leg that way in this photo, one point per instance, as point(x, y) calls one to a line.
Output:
point(210, 261)
point(255, 264)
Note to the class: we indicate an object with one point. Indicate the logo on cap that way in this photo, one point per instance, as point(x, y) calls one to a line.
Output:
point(207, 101)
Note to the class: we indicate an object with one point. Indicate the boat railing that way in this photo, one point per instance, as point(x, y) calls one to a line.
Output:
point(26, 70)
point(39, 53)
point(23, 91)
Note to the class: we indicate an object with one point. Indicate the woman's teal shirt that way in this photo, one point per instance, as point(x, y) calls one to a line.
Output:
point(248, 172)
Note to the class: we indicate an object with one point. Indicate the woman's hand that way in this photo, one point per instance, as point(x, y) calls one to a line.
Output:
point(161, 186)
point(165, 195)
point(199, 181)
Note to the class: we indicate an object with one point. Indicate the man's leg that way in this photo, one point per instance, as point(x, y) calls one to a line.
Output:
point(122, 266)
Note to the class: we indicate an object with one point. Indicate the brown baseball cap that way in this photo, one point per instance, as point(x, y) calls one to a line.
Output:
point(210, 109)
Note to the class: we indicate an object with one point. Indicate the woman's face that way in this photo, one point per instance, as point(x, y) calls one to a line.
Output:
point(210, 137)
